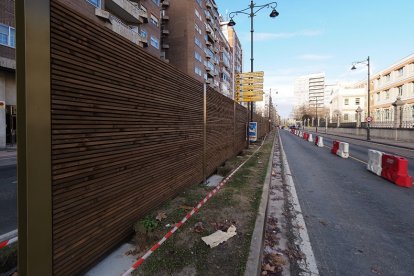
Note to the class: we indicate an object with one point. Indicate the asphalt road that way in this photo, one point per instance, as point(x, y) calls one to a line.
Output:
point(8, 199)
point(359, 149)
point(358, 223)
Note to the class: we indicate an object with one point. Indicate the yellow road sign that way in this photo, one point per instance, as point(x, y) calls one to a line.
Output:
point(251, 94)
point(250, 74)
point(253, 99)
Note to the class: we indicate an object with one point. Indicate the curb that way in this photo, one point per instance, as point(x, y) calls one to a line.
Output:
point(371, 141)
point(253, 265)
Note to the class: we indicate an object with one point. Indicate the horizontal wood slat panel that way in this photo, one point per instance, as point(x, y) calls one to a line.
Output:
point(127, 135)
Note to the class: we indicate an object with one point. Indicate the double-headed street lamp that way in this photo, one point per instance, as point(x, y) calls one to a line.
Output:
point(366, 62)
point(251, 14)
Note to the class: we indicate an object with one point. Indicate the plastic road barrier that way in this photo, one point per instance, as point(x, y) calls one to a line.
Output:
point(375, 161)
point(395, 169)
point(316, 140)
point(343, 150)
point(310, 139)
point(320, 141)
point(305, 136)
point(335, 147)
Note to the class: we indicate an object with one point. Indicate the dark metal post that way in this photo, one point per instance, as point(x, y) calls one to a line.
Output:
point(368, 99)
point(251, 51)
point(204, 133)
point(317, 114)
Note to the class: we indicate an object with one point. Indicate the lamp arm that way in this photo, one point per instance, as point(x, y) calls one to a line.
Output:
point(264, 6)
point(232, 14)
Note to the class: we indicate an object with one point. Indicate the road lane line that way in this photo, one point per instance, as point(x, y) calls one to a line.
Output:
point(359, 160)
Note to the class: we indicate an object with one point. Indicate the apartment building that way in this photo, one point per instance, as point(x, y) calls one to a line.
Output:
point(236, 48)
point(396, 81)
point(197, 45)
point(309, 90)
point(138, 21)
point(7, 74)
point(316, 90)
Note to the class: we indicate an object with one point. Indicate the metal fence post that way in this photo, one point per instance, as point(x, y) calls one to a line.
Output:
point(34, 137)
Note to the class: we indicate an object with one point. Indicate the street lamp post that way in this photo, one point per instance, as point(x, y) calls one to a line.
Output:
point(251, 14)
point(366, 62)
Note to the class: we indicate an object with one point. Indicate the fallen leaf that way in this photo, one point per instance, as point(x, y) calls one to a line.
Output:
point(323, 222)
point(160, 216)
point(199, 227)
point(186, 207)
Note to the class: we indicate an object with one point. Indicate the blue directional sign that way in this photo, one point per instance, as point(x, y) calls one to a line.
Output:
point(253, 131)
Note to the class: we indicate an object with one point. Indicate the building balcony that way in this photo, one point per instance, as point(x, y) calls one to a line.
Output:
point(165, 32)
point(126, 11)
point(165, 46)
point(124, 30)
point(208, 43)
point(164, 16)
point(165, 3)
point(209, 5)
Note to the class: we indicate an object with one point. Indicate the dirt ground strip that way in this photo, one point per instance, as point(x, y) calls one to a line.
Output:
point(236, 203)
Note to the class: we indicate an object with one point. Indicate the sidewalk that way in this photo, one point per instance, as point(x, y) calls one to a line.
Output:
point(8, 156)
point(400, 144)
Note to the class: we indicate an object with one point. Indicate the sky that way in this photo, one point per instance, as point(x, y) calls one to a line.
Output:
point(312, 36)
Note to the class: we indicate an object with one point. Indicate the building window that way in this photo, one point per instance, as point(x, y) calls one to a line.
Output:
point(96, 3)
point(345, 117)
point(400, 90)
point(144, 8)
point(156, 2)
point(198, 30)
point(198, 57)
point(154, 20)
point(155, 42)
point(198, 42)
point(198, 71)
point(412, 111)
point(401, 72)
point(387, 94)
point(387, 114)
point(198, 14)
point(357, 101)
point(346, 102)
point(388, 77)
point(7, 36)
point(378, 97)
point(143, 33)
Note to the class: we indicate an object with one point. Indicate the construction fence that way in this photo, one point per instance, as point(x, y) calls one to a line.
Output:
point(127, 134)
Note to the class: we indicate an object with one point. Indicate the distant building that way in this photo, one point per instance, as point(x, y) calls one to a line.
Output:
point(7, 73)
point(309, 90)
point(345, 100)
point(396, 81)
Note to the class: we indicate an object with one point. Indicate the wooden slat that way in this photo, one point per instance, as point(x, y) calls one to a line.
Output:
point(127, 134)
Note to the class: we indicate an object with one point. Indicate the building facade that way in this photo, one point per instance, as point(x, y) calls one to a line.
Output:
point(394, 82)
point(345, 101)
point(309, 90)
point(198, 46)
point(138, 21)
point(7, 74)
point(236, 50)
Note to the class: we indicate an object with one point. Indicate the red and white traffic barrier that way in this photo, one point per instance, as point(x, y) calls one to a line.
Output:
point(319, 141)
point(391, 167)
point(340, 148)
point(375, 161)
point(187, 217)
point(310, 138)
point(8, 242)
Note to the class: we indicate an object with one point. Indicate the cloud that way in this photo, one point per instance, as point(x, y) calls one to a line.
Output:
point(313, 57)
point(273, 36)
